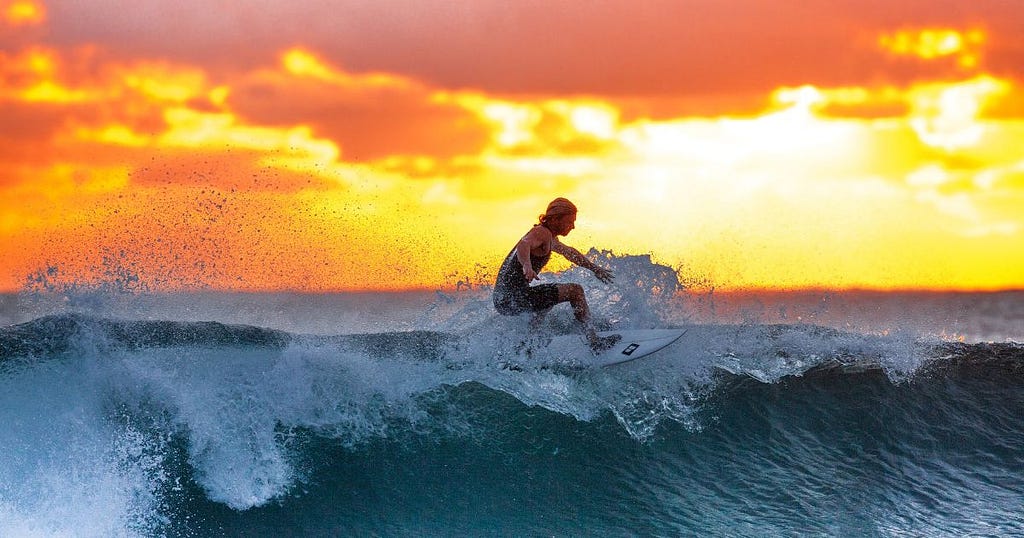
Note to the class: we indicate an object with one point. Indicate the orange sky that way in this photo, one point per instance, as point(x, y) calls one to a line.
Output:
point(364, 145)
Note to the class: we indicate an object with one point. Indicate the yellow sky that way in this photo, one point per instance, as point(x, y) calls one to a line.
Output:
point(890, 158)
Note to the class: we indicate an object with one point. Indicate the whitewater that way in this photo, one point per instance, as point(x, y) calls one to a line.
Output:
point(200, 413)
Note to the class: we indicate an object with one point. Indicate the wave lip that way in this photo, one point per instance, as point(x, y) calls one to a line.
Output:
point(56, 334)
point(764, 352)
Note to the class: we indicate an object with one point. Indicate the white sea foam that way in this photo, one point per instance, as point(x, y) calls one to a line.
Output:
point(70, 468)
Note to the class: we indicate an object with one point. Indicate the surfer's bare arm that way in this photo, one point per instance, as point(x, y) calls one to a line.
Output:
point(576, 257)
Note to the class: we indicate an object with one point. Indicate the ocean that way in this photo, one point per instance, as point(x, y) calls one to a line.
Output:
point(202, 413)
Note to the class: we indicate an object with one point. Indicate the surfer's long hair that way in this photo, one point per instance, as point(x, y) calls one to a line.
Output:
point(557, 207)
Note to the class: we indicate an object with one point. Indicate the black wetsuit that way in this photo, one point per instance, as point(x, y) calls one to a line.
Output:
point(514, 295)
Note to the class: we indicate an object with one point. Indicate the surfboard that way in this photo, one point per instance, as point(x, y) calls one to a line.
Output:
point(573, 349)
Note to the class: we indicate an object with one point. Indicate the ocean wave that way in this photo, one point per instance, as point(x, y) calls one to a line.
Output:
point(764, 352)
point(145, 421)
point(393, 415)
point(356, 386)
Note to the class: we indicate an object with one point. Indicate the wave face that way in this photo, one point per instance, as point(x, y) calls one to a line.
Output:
point(124, 424)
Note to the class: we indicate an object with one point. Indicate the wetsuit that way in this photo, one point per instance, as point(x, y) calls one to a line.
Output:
point(514, 295)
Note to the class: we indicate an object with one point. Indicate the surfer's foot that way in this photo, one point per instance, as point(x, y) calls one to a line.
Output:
point(602, 343)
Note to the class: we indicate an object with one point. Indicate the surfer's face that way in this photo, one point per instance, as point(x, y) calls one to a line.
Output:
point(564, 224)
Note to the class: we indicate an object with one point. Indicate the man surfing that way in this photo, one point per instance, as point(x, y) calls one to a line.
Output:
point(513, 294)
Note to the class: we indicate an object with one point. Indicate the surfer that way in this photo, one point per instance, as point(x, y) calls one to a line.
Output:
point(512, 291)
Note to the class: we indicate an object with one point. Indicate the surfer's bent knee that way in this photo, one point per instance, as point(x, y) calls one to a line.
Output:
point(570, 292)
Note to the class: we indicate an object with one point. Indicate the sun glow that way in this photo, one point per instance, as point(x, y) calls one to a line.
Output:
point(932, 43)
point(295, 172)
point(303, 63)
point(23, 12)
point(947, 115)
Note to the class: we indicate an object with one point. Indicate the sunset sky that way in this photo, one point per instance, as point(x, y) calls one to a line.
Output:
point(349, 144)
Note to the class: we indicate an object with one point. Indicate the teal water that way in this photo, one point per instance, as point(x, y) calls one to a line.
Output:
point(206, 414)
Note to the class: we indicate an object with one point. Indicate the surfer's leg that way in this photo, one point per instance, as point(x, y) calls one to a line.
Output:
point(573, 293)
point(578, 299)
point(541, 299)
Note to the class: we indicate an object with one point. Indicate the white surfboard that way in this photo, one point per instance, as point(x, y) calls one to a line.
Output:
point(573, 349)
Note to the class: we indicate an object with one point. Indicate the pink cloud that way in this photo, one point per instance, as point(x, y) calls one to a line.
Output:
point(619, 47)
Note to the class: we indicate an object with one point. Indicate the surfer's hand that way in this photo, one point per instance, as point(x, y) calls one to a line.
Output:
point(604, 275)
point(530, 274)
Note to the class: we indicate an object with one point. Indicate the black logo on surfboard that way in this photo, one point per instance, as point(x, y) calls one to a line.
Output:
point(630, 349)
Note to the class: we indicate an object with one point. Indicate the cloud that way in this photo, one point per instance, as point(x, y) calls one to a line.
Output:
point(18, 13)
point(370, 116)
point(614, 48)
point(931, 43)
point(26, 131)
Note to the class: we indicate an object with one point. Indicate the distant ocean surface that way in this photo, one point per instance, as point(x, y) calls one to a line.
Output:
point(388, 414)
